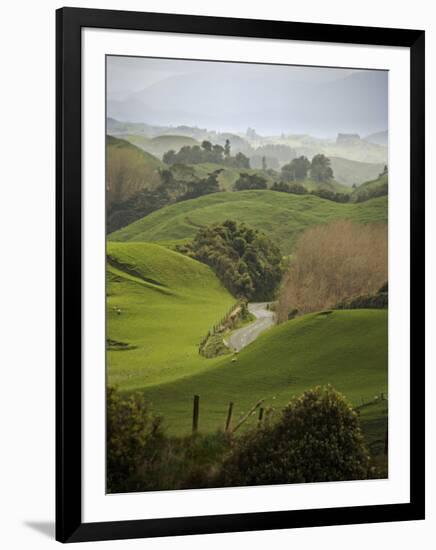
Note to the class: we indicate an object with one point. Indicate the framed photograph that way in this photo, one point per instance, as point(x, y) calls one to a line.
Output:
point(240, 275)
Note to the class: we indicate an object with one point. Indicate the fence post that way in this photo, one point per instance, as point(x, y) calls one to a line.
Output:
point(195, 414)
point(229, 416)
point(247, 416)
point(259, 423)
point(386, 439)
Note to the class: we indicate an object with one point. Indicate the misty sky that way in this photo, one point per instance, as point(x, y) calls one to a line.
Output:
point(233, 96)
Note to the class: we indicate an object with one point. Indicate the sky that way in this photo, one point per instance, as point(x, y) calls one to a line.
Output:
point(222, 96)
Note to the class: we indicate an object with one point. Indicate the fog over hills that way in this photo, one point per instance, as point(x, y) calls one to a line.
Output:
point(231, 97)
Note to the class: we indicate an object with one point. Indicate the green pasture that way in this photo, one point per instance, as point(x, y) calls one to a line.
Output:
point(347, 349)
point(282, 216)
point(160, 304)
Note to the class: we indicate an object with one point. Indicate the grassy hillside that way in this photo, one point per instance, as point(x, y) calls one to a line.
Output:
point(349, 172)
point(117, 144)
point(369, 187)
point(347, 349)
point(129, 169)
point(161, 144)
point(167, 303)
point(331, 185)
point(281, 215)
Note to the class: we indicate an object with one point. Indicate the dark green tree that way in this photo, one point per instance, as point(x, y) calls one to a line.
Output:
point(264, 166)
point(227, 149)
point(247, 262)
point(320, 169)
point(204, 186)
point(206, 145)
point(249, 181)
point(297, 169)
point(241, 161)
point(170, 157)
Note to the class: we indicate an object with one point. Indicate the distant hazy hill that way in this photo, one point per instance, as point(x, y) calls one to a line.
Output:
point(379, 138)
point(349, 172)
point(281, 215)
point(128, 169)
point(356, 102)
point(159, 145)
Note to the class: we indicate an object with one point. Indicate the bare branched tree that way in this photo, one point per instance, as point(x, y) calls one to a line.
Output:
point(331, 263)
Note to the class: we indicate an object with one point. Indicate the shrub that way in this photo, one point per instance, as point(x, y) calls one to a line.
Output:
point(140, 457)
point(318, 438)
point(332, 263)
point(249, 181)
point(367, 301)
point(247, 262)
point(284, 187)
point(134, 438)
point(331, 195)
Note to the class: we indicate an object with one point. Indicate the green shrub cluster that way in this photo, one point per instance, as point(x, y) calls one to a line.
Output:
point(247, 262)
point(214, 346)
point(134, 442)
point(141, 458)
point(208, 152)
point(367, 301)
point(318, 438)
point(331, 195)
point(249, 181)
point(365, 194)
point(294, 188)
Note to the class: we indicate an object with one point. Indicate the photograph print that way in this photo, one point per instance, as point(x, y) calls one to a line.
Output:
point(246, 274)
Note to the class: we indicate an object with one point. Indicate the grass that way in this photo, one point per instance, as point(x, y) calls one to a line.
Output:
point(372, 185)
point(282, 216)
point(160, 305)
point(349, 172)
point(137, 154)
point(347, 349)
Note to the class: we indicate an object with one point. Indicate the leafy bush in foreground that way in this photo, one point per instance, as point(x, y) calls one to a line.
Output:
point(134, 439)
point(318, 438)
point(140, 457)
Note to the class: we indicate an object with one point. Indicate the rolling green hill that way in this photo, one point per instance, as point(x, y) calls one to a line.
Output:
point(379, 185)
point(347, 349)
point(160, 144)
point(331, 185)
point(348, 171)
point(160, 305)
point(128, 169)
point(280, 215)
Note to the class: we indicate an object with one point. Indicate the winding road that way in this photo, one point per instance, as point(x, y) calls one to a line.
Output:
point(245, 335)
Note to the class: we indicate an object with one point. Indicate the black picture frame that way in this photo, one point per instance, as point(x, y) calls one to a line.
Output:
point(69, 525)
